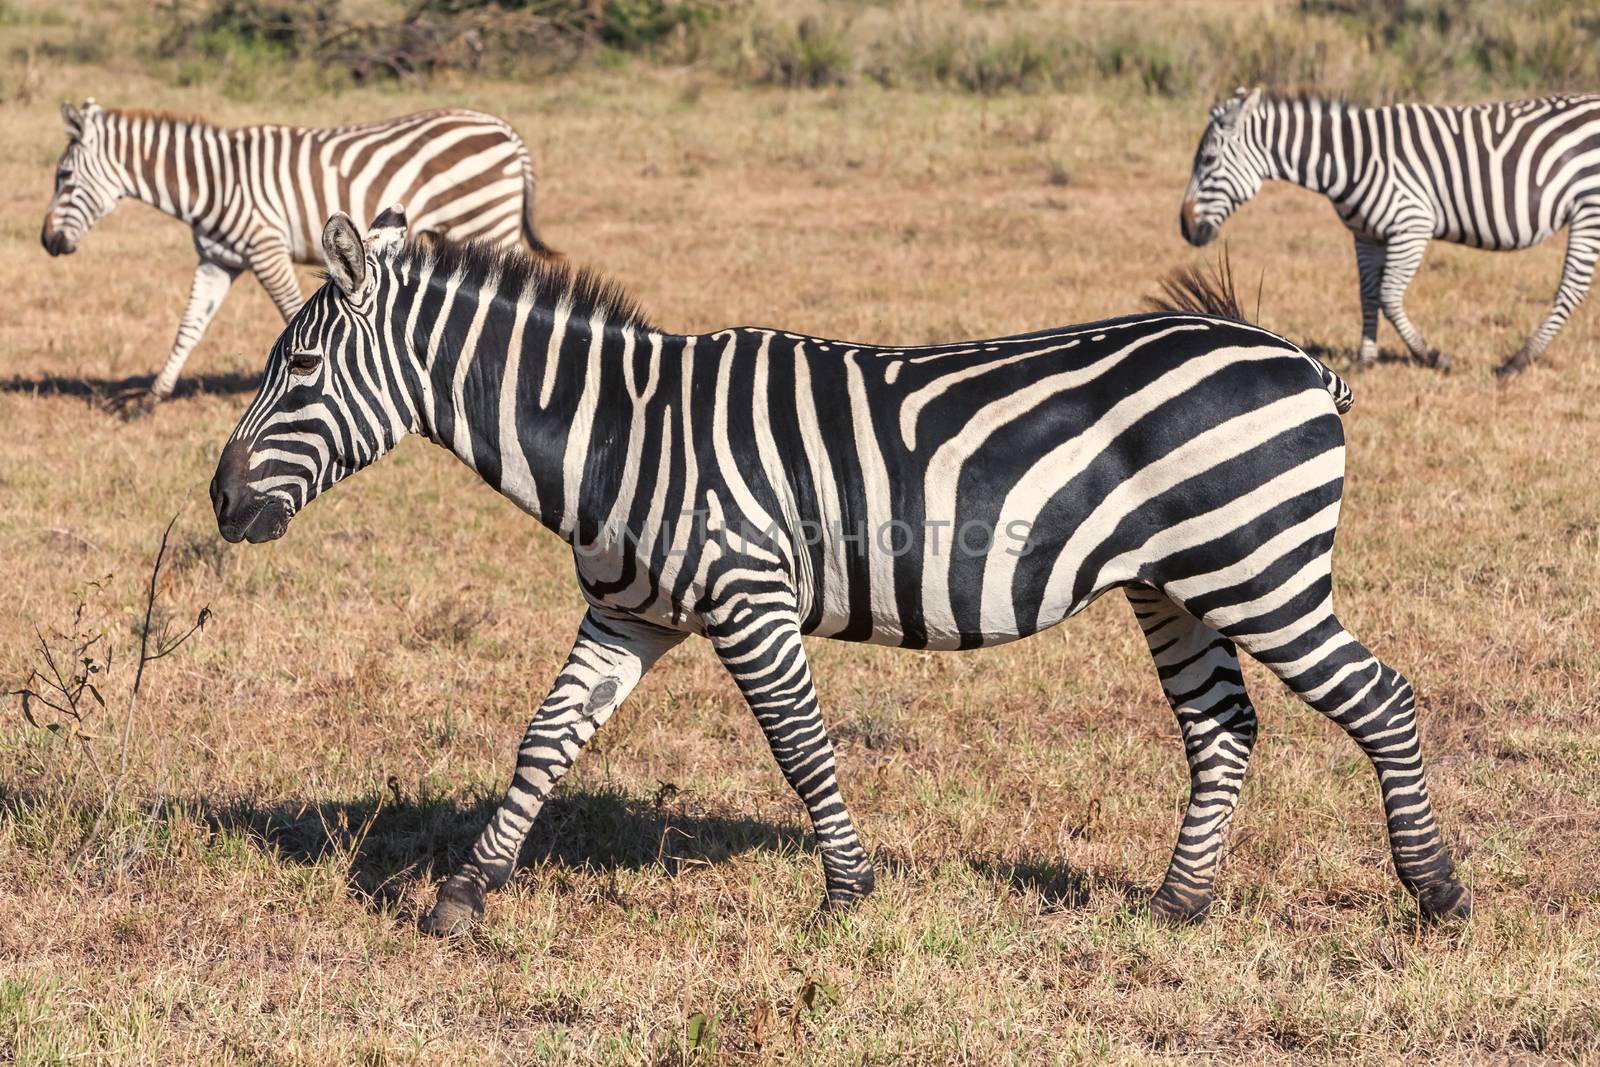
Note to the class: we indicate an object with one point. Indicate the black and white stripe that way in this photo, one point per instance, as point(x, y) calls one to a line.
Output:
point(1496, 176)
point(257, 196)
point(753, 486)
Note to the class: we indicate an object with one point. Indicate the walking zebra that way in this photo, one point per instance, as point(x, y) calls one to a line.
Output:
point(753, 486)
point(1495, 176)
point(256, 196)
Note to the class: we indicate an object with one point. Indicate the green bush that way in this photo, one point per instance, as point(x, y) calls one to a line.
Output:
point(812, 55)
point(633, 25)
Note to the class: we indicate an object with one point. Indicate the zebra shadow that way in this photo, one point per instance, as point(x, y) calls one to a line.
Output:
point(388, 842)
point(124, 394)
point(1343, 357)
point(1059, 886)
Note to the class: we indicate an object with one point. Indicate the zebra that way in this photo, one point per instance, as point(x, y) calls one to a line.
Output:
point(1495, 176)
point(256, 196)
point(752, 486)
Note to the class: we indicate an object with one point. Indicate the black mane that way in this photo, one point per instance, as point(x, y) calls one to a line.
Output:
point(1310, 97)
point(546, 280)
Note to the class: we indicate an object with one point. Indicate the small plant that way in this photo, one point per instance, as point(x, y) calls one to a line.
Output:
point(64, 693)
point(58, 693)
point(700, 1034)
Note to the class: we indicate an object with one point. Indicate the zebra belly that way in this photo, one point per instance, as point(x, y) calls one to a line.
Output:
point(1495, 241)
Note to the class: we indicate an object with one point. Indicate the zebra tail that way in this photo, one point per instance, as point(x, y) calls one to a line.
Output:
point(1196, 291)
point(1343, 398)
point(530, 234)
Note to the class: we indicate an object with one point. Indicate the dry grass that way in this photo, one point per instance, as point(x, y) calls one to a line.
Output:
point(303, 775)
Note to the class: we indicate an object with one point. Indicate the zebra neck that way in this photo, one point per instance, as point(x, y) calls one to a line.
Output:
point(1313, 143)
point(528, 396)
point(180, 167)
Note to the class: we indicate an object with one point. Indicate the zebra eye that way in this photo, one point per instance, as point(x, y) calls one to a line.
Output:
point(304, 363)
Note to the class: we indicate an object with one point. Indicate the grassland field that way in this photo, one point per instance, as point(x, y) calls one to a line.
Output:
point(302, 773)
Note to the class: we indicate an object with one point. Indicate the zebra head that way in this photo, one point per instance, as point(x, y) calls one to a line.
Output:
point(332, 397)
point(1229, 167)
point(89, 182)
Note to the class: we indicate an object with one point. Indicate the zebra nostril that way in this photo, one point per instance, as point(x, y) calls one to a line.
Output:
point(219, 499)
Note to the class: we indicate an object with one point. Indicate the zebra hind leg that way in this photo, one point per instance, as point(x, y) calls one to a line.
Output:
point(764, 654)
point(1200, 675)
point(1310, 650)
point(1577, 271)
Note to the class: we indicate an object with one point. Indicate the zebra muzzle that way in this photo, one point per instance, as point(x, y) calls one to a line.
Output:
point(244, 514)
point(256, 518)
point(55, 242)
point(1196, 231)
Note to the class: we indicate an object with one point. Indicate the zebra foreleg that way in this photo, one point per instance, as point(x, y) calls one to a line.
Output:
point(609, 657)
point(1200, 675)
point(764, 653)
point(1577, 271)
point(1401, 260)
point(1369, 265)
point(211, 283)
point(1333, 672)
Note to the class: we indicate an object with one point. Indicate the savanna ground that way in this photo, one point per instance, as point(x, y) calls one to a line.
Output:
point(304, 771)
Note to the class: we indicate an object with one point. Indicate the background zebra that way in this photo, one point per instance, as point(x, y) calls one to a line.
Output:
point(753, 486)
point(1495, 176)
point(256, 196)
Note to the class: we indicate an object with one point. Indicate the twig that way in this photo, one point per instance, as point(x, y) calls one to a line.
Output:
point(145, 656)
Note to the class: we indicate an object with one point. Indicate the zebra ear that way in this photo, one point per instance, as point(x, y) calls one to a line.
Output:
point(1229, 114)
point(73, 119)
point(346, 256)
point(388, 231)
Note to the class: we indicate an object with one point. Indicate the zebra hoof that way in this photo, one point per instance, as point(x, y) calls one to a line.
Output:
point(1437, 360)
point(845, 897)
point(1444, 901)
point(1511, 368)
point(833, 909)
point(457, 910)
point(1171, 907)
point(131, 404)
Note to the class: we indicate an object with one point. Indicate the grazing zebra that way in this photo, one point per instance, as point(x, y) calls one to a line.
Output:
point(753, 486)
point(1495, 176)
point(256, 196)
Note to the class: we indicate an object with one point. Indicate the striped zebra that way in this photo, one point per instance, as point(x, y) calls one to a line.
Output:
point(1495, 176)
point(256, 196)
point(753, 486)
